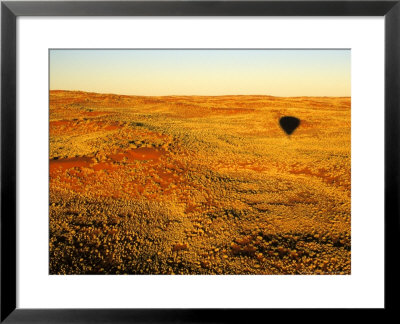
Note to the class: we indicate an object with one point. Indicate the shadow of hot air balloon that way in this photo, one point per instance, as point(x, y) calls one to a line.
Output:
point(289, 124)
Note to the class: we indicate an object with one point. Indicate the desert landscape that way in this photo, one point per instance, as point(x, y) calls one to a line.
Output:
point(198, 185)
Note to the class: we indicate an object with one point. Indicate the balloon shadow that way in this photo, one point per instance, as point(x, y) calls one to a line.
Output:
point(289, 124)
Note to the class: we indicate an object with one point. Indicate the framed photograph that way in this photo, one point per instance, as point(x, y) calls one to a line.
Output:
point(186, 161)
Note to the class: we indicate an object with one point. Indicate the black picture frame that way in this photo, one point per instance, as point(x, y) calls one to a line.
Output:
point(10, 10)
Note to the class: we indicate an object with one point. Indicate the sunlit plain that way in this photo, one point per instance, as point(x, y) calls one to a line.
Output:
point(198, 185)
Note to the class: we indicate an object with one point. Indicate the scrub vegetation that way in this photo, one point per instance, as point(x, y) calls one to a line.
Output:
point(198, 185)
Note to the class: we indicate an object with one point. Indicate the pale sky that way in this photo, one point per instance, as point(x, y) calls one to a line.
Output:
point(202, 72)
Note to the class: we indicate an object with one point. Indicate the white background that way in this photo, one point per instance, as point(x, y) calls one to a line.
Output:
point(363, 288)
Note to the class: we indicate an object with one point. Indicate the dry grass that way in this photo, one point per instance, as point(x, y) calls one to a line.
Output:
point(198, 185)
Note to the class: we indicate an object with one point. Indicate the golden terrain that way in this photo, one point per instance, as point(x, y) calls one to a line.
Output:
point(198, 185)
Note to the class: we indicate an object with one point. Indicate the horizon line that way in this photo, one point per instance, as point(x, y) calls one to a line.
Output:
point(197, 95)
